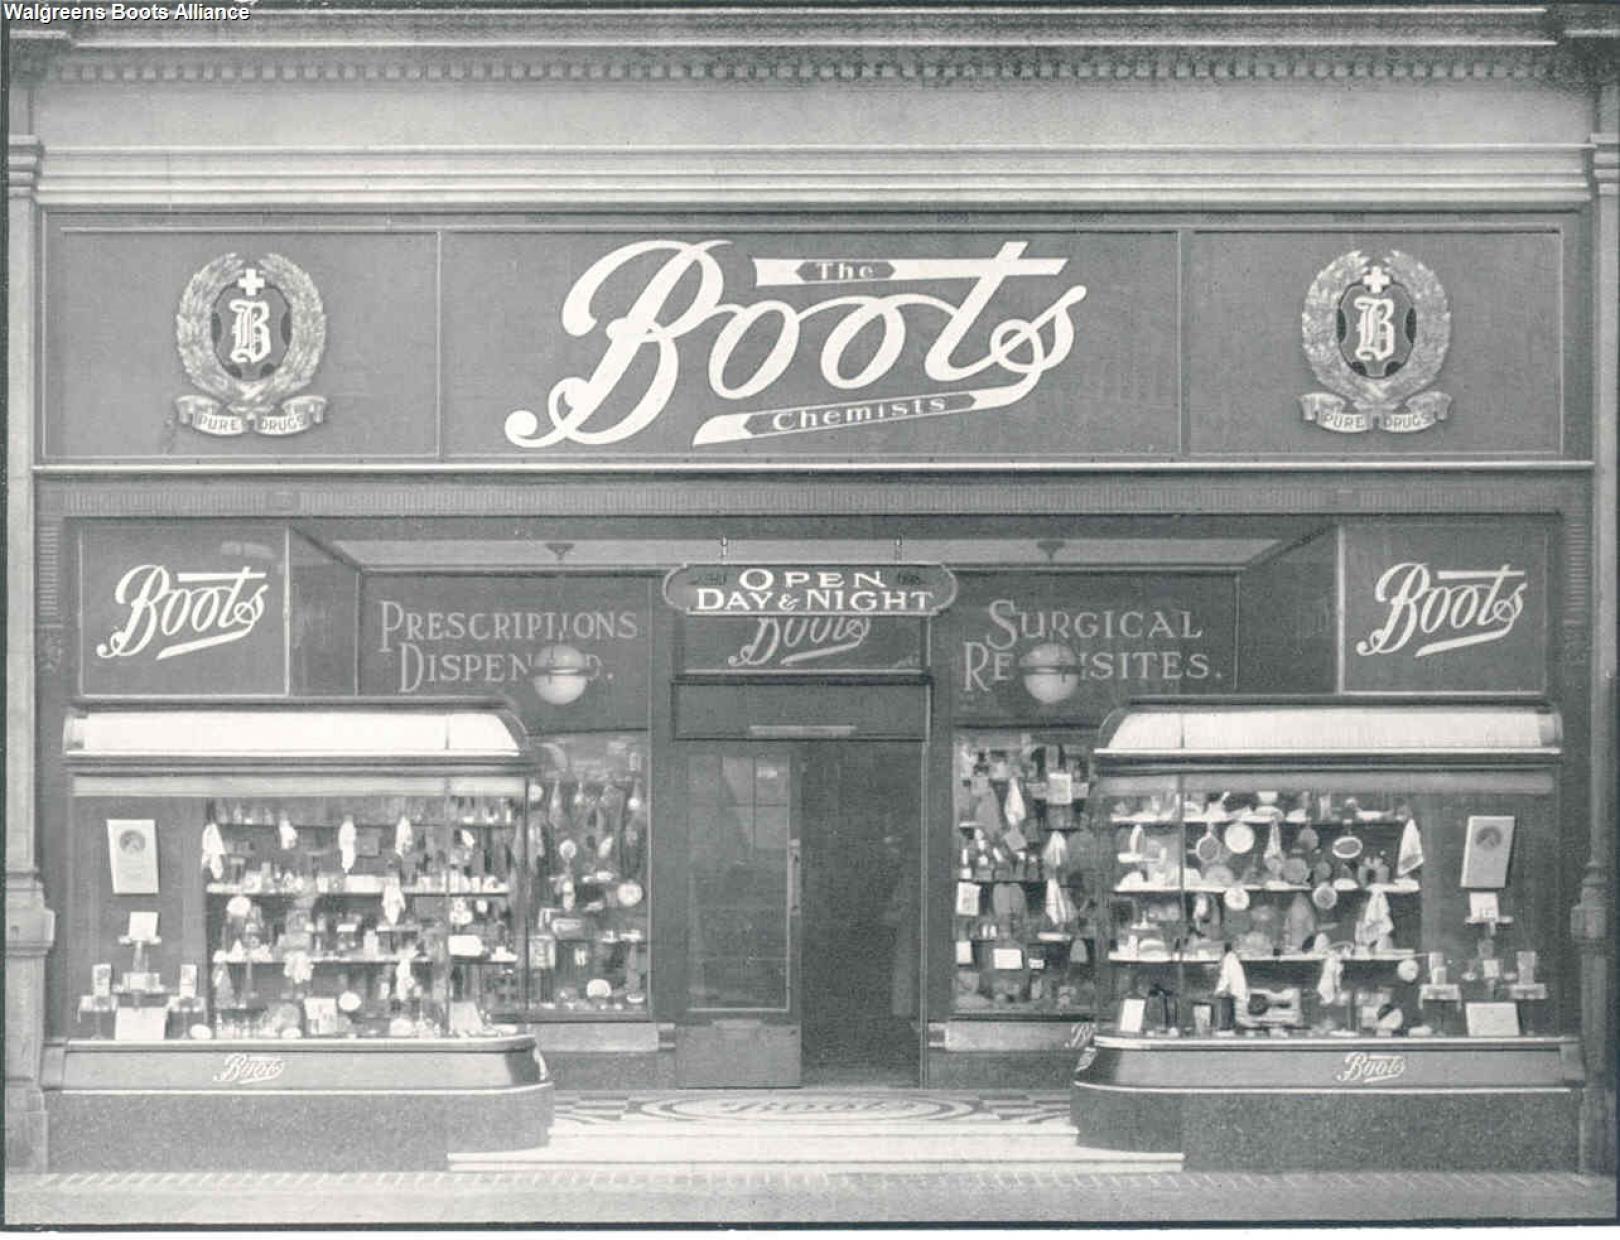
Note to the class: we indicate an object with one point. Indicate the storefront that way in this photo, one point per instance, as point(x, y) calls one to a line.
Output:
point(676, 645)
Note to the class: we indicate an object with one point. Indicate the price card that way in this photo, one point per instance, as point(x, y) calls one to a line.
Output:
point(1492, 1020)
point(1491, 968)
point(1131, 1014)
point(101, 980)
point(188, 981)
point(143, 927)
point(964, 951)
point(1449, 992)
point(321, 1014)
point(967, 899)
point(1483, 906)
point(1007, 958)
point(144, 1024)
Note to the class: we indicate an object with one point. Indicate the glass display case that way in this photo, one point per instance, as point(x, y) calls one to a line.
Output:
point(589, 829)
point(383, 915)
point(1025, 930)
point(336, 870)
point(277, 872)
point(1335, 903)
point(1342, 917)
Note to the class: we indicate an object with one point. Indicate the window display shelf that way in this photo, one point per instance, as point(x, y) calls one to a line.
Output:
point(1315, 958)
point(1025, 931)
point(273, 892)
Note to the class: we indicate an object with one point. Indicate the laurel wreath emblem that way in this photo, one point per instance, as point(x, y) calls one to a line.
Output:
point(250, 403)
point(1378, 400)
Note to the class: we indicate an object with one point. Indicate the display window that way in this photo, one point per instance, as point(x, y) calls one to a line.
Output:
point(1024, 924)
point(1330, 902)
point(322, 916)
point(344, 871)
point(589, 833)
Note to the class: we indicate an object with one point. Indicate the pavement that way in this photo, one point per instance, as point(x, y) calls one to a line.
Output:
point(627, 1195)
point(798, 1157)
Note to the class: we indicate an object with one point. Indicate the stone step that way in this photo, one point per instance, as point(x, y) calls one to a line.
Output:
point(616, 1145)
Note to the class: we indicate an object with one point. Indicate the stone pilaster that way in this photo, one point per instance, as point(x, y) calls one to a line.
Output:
point(1591, 921)
point(30, 924)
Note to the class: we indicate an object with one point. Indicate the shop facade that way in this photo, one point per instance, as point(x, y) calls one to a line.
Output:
point(802, 524)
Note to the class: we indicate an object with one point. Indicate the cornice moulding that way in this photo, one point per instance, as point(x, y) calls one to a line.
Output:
point(563, 177)
point(922, 25)
point(786, 65)
point(809, 43)
point(24, 155)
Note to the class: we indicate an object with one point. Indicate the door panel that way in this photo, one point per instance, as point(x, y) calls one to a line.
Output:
point(742, 931)
point(774, 711)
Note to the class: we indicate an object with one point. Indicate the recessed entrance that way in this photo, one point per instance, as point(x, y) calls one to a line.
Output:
point(860, 905)
point(804, 861)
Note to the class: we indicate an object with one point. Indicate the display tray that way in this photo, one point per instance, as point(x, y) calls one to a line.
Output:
point(1356, 1065)
point(301, 1065)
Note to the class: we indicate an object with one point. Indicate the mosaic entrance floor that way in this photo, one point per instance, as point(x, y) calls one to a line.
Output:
point(895, 1130)
point(789, 1107)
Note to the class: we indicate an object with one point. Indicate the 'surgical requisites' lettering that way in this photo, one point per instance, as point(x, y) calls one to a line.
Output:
point(1154, 643)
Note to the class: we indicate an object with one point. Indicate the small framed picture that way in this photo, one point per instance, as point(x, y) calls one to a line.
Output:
point(132, 856)
point(188, 981)
point(1492, 1020)
point(1486, 853)
point(101, 980)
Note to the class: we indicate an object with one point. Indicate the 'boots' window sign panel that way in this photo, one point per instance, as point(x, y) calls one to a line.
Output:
point(184, 609)
point(1445, 607)
point(728, 344)
point(163, 344)
point(570, 653)
point(1032, 648)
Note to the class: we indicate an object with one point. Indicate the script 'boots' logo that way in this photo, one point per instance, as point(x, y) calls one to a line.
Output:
point(251, 336)
point(1377, 334)
point(1444, 609)
point(178, 613)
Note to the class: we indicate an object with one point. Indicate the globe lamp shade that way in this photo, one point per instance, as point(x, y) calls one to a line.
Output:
point(1049, 673)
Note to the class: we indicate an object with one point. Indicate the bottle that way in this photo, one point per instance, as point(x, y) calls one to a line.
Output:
point(1060, 794)
point(1037, 789)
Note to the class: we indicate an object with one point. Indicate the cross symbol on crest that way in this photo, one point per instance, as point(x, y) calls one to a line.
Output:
point(250, 282)
point(1376, 280)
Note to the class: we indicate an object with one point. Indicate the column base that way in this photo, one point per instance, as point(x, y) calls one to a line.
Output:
point(26, 1124)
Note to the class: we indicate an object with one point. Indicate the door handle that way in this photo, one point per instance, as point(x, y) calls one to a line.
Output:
point(794, 878)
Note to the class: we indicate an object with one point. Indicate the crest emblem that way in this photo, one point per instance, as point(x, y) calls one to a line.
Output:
point(1376, 333)
point(250, 335)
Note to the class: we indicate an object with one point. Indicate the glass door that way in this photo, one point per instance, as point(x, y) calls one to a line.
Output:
point(742, 916)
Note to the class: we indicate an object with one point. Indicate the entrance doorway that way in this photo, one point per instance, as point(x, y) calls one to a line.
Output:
point(804, 863)
point(861, 849)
